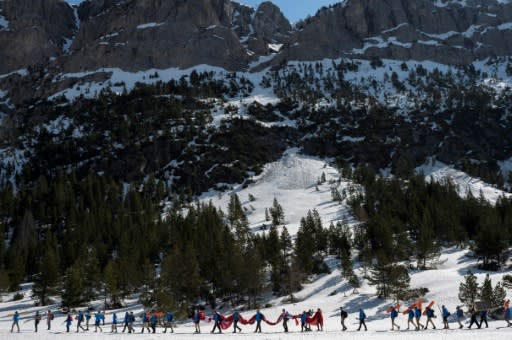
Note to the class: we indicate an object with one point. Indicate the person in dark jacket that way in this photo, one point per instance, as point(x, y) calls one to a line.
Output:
point(114, 323)
point(236, 318)
point(474, 314)
point(79, 319)
point(285, 316)
point(430, 316)
point(49, 318)
point(37, 319)
point(483, 318)
point(69, 322)
point(343, 316)
point(362, 318)
point(126, 322)
point(417, 315)
point(197, 320)
point(216, 320)
point(153, 321)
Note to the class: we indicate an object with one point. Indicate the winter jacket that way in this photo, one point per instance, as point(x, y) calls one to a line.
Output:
point(235, 316)
point(430, 313)
point(259, 316)
point(460, 313)
point(362, 315)
point(394, 313)
point(87, 315)
point(114, 319)
point(411, 314)
point(80, 316)
point(197, 317)
point(446, 313)
point(169, 317)
point(303, 318)
point(417, 313)
point(16, 317)
point(97, 318)
point(153, 319)
point(216, 317)
point(127, 317)
point(69, 321)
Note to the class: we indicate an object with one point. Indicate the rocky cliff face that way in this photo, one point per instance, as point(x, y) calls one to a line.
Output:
point(446, 31)
point(32, 31)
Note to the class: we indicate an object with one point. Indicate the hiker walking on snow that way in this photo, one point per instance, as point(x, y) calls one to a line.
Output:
point(236, 317)
point(430, 316)
point(285, 316)
point(483, 318)
point(153, 321)
point(460, 316)
point(69, 322)
point(216, 320)
point(446, 314)
point(473, 320)
point(197, 319)
point(169, 318)
point(343, 316)
point(417, 315)
point(507, 313)
point(362, 318)
point(303, 320)
point(37, 319)
point(114, 323)
point(145, 322)
point(126, 322)
point(49, 318)
point(15, 321)
point(410, 319)
point(79, 320)
point(393, 315)
point(259, 318)
point(97, 322)
point(87, 319)
point(320, 321)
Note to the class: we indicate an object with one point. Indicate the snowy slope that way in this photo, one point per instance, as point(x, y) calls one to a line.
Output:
point(293, 181)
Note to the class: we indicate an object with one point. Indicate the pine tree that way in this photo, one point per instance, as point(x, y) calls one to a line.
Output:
point(486, 291)
point(45, 281)
point(111, 279)
point(469, 289)
point(498, 295)
point(507, 281)
point(276, 213)
point(72, 287)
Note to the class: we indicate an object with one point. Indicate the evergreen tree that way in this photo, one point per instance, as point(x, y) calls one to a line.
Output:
point(72, 287)
point(486, 291)
point(276, 213)
point(46, 280)
point(498, 295)
point(469, 289)
point(111, 279)
point(507, 281)
point(238, 221)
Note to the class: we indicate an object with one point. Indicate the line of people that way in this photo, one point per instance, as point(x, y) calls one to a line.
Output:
point(152, 319)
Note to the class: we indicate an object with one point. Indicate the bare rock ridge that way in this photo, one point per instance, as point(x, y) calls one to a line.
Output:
point(446, 31)
point(143, 34)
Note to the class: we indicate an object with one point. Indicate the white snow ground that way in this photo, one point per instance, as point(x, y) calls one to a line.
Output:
point(292, 180)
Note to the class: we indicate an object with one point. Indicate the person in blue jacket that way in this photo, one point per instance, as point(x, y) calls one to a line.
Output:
point(362, 318)
point(114, 323)
point(460, 316)
point(169, 318)
point(393, 315)
point(15, 321)
point(153, 321)
point(446, 314)
point(417, 315)
point(145, 322)
point(410, 319)
point(126, 322)
point(303, 321)
point(79, 320)
point(97, 322)
point(236, 317)
point(130, 325)
point(69, 322)
point(259, 318)
point(197, 320)
point(87, 319)
point(430, 315)
point(216, 321)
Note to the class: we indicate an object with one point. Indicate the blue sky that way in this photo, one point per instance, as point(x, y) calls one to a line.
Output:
point(292, 9)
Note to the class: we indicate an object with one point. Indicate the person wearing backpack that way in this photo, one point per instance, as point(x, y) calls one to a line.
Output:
point(460, 316)
point(216, 322)
point(69, 322)
point(87, 319)
point(362, 318)
point(259, 317)
point(169, 318)
point(393, 315)
point(236, 317)
point(79, 320)
point(343, 317)
point(446, 314)
point(37, 319)
point(114, 323)
point(430, 316)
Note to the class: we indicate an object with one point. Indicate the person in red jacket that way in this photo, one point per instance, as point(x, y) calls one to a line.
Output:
point(320, 320)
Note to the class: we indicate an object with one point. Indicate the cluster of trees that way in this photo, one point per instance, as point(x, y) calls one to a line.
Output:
point(470, 291)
